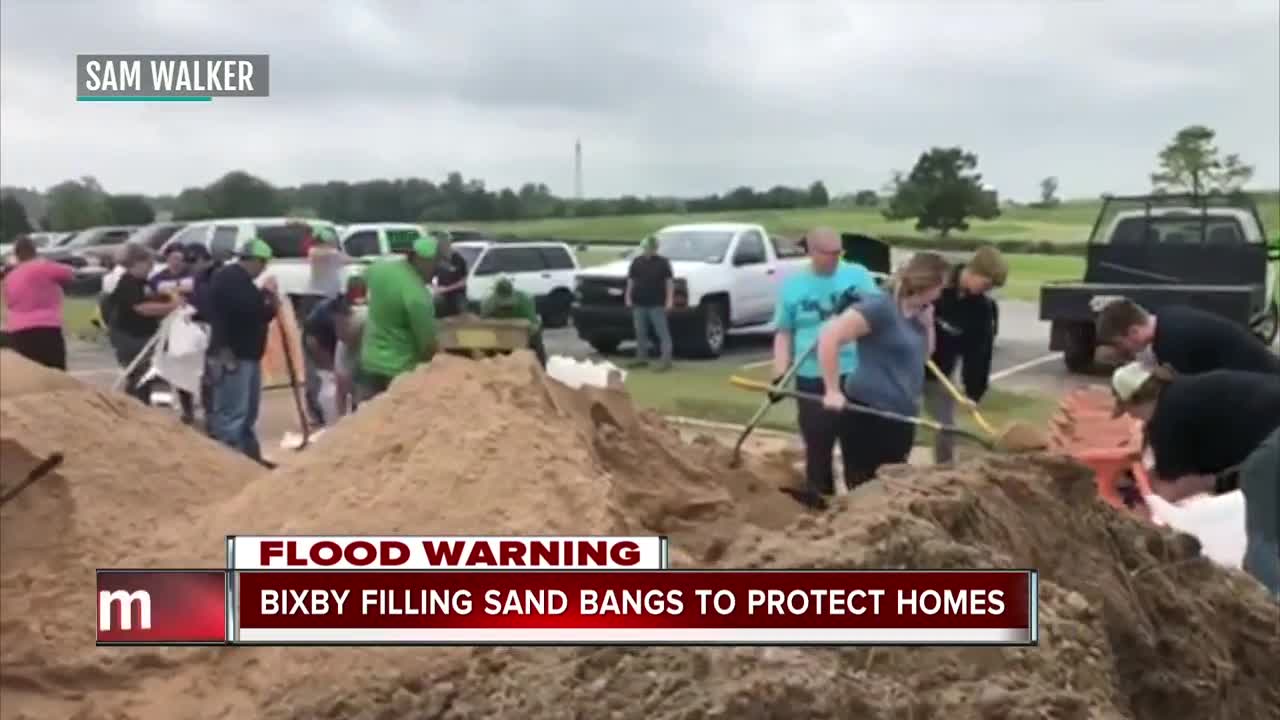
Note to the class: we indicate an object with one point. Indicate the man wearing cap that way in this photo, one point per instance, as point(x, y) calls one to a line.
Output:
point(240, 314)
point(1213, 433)
point(400, 330)
point(1187, 339)
point(505, 302)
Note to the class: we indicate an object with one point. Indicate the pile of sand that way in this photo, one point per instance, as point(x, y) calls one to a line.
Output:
point(127, 470)
point(1134, 623)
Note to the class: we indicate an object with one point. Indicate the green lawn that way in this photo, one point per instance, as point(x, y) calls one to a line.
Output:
point(1068, 222)
point(1026, 272)
point(702, 390)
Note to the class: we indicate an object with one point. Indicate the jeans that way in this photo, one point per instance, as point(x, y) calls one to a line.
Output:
point(943, 409)
point(645, 319)
point(237, 391)
point(538, 348)
point(313, 385)
point(1258, 484)
point(44, 345)
point(821, 429)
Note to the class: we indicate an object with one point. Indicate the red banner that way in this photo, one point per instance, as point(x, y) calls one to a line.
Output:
point(640, 607)
point(168, 607)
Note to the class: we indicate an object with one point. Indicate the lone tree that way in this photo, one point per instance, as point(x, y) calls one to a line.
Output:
point(13, 218)
point(1049, 192)
point(1191, 163)
point(866, 198)
point(941, 192)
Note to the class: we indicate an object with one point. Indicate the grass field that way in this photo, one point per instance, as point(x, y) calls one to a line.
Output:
point(1026, 272)
point(702, 390)
point(1069, 222)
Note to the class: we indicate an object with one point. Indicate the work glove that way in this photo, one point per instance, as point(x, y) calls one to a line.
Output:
point(776, 397)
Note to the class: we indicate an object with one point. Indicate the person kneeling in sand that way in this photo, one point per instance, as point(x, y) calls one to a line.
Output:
point(508, 303)
point(1213, 433)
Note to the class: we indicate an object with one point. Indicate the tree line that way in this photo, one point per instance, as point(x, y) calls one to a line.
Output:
point(942, 192)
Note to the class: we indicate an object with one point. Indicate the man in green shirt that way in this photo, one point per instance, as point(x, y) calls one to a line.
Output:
point(400, 330)
point(505, 302)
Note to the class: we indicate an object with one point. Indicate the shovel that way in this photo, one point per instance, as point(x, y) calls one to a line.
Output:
point(736, 459)
point(1016, 434)
point(1008, 442)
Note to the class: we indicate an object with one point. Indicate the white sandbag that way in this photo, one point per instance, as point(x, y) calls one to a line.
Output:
point(181, 370)
point(1217, 521)
point(577, 373)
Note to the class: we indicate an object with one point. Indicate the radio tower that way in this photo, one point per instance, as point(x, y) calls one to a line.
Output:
point(577, 169)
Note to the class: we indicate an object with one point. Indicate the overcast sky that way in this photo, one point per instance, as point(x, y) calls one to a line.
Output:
point(668, 97)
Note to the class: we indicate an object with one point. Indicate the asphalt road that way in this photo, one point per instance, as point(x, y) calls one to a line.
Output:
point(1022, 361)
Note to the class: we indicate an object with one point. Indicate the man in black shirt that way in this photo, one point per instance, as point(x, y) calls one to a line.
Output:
point(1213, 433)
point(650, 295)
point(451, 282)
point(1190, 341)
point(965, 320)
point(135, 313)
point(240, 315)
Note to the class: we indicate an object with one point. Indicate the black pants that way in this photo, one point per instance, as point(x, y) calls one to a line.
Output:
point(879, 442)
point(44, 345)
point(820, 429)
point(127, 347)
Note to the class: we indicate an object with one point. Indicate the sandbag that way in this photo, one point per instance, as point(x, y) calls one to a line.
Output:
point(1217, 521)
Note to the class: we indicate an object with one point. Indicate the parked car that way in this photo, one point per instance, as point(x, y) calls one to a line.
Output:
point(156, 235)
point(1205, 251)
point(543, 270)
point(290, 240)
point(369, 241)
point(727, 277)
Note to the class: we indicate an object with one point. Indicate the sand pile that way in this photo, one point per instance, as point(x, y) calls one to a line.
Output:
point(1133, 622)
point(126, 471)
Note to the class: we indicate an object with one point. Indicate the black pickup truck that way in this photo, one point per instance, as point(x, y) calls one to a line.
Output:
point(1206, 251)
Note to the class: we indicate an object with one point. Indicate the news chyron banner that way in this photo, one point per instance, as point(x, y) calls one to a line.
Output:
point(398, 590)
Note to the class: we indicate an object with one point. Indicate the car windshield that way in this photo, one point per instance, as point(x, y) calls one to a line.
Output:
point(469, 253)
point(707, 246)
point(76, 240)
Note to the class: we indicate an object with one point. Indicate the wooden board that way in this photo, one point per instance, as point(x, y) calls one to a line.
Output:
point(275, 369)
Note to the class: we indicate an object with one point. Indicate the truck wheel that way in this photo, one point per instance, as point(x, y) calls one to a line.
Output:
point(1267, 326)
point(713, 328)
point(1079, 347)
point(559, 305)
point(604, 346)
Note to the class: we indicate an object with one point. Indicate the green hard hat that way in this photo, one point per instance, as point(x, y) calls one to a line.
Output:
point(426, 247)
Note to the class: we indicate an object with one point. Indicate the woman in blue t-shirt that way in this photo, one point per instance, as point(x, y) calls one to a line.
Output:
point(895, 335)
point(807, 300)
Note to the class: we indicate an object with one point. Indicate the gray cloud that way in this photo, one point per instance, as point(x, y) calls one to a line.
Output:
point(669, 97)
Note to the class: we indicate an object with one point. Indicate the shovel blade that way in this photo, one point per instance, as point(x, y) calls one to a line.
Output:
point(1021, 437)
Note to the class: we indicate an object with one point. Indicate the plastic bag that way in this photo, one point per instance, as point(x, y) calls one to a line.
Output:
point(1217, 521)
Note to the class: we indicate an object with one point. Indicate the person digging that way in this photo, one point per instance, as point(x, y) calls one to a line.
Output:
point(966, 320)
point(1214, 433)
point(506, 302)
point(400, 328)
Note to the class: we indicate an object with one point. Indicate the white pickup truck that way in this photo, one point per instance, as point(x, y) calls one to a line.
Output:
point(727, 278)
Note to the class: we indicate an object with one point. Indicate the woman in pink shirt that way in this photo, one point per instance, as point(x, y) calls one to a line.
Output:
point(33, 306)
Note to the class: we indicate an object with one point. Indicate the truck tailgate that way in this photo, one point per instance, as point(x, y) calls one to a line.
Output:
point(1080, 302)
